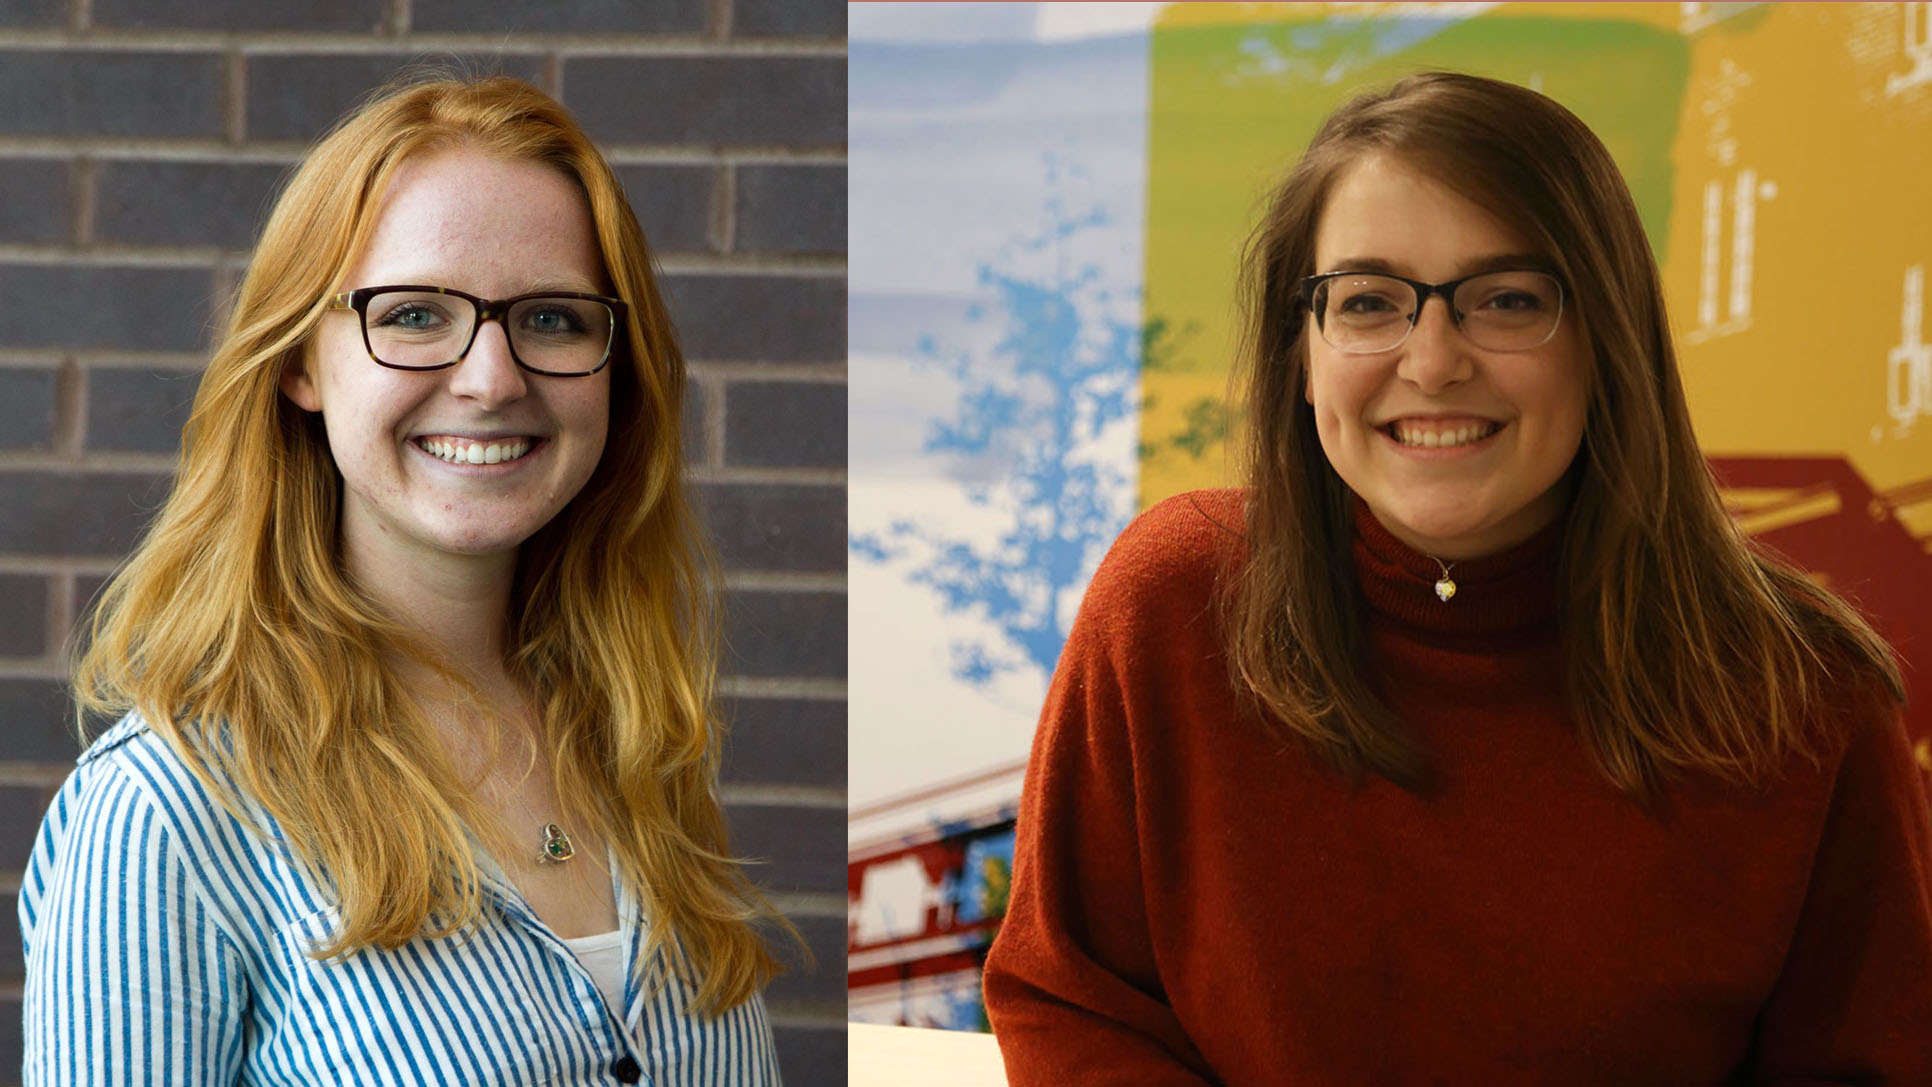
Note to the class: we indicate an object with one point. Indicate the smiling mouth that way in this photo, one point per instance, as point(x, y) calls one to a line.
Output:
point(453, 450)
point(1423, 435)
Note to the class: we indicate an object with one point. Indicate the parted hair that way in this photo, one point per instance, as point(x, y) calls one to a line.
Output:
point(1686, 650)
point(235, 632)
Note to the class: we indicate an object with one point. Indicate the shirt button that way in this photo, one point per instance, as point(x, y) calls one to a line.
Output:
point(626, 1070)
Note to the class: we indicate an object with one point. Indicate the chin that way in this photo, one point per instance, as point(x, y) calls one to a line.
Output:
point(490, 541)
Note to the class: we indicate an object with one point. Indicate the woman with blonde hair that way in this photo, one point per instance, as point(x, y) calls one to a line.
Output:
point(416, 781)
point(1471, 742)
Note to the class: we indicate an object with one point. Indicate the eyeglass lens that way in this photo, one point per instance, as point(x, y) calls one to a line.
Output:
point(1500, 311)
point(422, 330)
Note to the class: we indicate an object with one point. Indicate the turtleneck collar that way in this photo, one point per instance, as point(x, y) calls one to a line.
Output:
point(1512, 591)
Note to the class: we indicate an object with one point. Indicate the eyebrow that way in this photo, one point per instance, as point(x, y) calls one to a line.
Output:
point(544, 286)
point(1500, 262)
point(539, 285)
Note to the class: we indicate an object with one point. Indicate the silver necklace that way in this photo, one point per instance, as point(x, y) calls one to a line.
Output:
point(556, 845)
point(1445, 585)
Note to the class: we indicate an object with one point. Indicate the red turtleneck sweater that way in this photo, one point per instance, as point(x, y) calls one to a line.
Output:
point(1194, 901)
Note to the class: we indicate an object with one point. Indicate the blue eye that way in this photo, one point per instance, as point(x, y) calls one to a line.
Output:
point(553, 319)
point(560, 319)
point(411, 317)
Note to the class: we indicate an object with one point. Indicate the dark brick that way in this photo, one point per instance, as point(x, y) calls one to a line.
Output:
point(785, 423)
point(87, 590)
point(793, 741)
point(301, 97)
point(39, 720)
point(183, 203)
point(12, 963)
point(791, 209)
point(62, 92)
point(673, 205)
point(138, 411)
point(350, 15)
point(34, 204)
point(723, 318)
point(21, 807)
point(33, 13)
point(27, 409)
point(715, 100)
point(691, 422)
point(789, 848)
point(95, 306)
point(790, 18)
point(773, 633)
point(12, 1051)
point(776, 527)
point(67, 513)
point(520, 17)
point(807, 1056)
point(23, 615)
point(824, 983)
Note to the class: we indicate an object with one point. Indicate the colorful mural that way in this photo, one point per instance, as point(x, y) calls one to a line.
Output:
point(1778, 154)
point(1047, 330)
point(998, 163)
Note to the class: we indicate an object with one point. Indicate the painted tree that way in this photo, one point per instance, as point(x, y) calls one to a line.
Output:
point(1043, 401)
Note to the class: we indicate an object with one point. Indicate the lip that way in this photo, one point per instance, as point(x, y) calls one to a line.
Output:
point(476, 435)
point(1436, 417)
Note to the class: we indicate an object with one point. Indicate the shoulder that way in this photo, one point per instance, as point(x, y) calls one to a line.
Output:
point(132, 754)
point(1185, 544)
point(1876, 757)
point(134, 794)
point(1171, 562)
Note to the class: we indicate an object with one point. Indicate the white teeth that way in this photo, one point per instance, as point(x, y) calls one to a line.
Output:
point(462, 451)
point(1440, 439)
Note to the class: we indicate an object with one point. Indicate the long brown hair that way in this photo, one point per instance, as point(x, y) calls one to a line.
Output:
point(235, 614)
point(1685, 649)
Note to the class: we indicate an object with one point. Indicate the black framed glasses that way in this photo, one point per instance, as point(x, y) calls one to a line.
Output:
point(1361, 313)
point(419, 327)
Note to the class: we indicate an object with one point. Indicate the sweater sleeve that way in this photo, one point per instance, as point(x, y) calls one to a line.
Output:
point(1072, 986)
point(128, 978)
point(1854, 1001)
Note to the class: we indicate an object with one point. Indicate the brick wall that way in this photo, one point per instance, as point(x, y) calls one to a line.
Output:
point(140, 144)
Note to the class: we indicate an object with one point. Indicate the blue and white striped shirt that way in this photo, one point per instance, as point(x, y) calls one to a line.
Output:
point(168, 944)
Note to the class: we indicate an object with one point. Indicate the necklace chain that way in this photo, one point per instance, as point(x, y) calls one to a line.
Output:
point(557, 847)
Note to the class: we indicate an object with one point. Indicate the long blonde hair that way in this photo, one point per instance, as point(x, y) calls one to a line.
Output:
point(234, 631)
point(1686, 650)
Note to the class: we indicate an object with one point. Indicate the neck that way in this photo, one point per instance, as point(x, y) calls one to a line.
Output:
point(458, 604)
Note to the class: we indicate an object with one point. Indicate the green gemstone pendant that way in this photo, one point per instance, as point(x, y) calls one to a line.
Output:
point(556, 845)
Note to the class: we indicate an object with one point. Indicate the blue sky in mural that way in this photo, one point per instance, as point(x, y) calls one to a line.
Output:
point(997, 179)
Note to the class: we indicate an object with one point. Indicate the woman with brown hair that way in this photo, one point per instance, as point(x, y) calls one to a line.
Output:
point(1471, 742)
point(416, 782)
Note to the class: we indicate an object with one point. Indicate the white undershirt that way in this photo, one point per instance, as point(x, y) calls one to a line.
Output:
point(603, 957)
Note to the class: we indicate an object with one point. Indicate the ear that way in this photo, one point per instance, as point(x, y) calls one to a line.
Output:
point(298, 385)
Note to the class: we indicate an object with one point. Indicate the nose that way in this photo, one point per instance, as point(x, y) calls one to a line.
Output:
point(489, 374)
point(1435, 356)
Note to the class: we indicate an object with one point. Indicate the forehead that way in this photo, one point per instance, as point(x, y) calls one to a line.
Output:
point(460, 217)
point(1382, 210)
